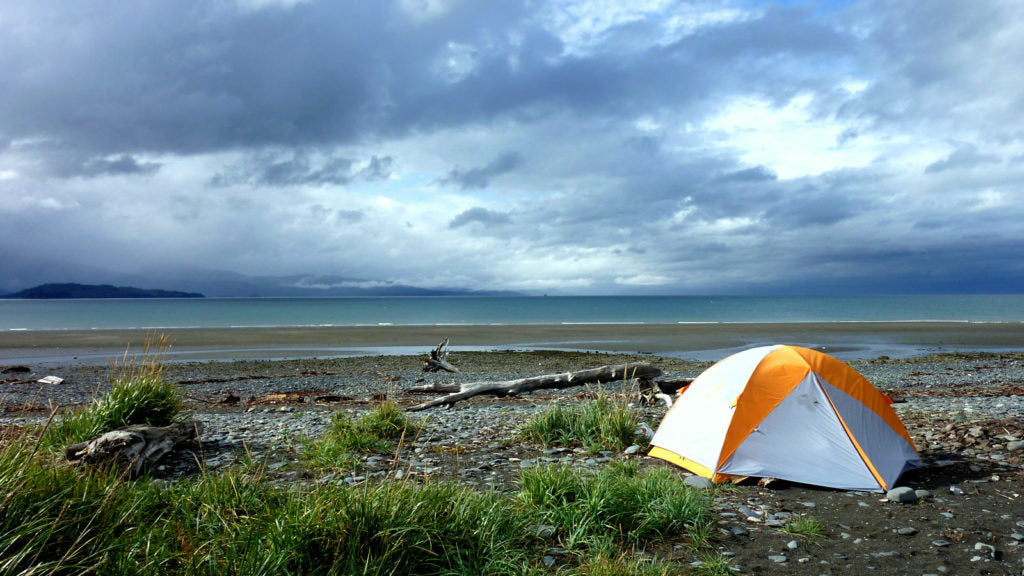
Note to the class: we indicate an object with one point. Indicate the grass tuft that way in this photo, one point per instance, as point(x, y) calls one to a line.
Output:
point(714, 564)
point(806, 526)
point(618, 500)
point(138, 394)
point(347, 438)
point(600, 424)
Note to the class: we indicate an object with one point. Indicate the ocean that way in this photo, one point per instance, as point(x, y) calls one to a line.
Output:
point(35, 315)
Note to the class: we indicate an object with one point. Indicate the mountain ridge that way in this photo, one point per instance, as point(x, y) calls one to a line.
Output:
point(68, 290)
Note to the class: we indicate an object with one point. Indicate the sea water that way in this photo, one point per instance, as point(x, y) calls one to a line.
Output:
point(86, 314)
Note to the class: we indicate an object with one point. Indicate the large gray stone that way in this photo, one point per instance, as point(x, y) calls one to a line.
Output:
point(698, 482)
point(902, 494)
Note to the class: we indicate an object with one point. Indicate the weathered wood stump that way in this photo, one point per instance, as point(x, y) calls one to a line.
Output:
point(439, 359)
point(128, 450)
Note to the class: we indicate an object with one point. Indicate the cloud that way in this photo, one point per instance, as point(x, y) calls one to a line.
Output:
point(122, 165)
point(965, 156)
point(479, 216)
point(654, 146)
point(478, 178)
point(300, 168)
point(755, 174)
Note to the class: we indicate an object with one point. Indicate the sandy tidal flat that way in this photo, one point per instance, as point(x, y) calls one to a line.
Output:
point(700, 341)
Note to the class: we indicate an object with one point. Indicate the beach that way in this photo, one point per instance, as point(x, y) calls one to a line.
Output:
point(706, 341)
point(270, 388)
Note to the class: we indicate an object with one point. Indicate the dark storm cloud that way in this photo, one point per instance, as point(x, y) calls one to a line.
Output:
point(167, 76)
point(479, 178)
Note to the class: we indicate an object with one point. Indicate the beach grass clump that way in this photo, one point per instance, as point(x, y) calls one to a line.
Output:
point(714, 564)
point(139, 394)
point(618, 504)
point(348, 437)
point(604, 423)
point(623, 564)
point(805, 526)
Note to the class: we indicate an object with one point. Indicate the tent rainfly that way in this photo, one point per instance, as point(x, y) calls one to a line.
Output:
point(790, 413)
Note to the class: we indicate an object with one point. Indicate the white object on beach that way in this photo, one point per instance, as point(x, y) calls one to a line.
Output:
point(644, 430)
point(50, 380)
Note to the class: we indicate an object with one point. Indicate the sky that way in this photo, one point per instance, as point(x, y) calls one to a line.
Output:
point(570, 147)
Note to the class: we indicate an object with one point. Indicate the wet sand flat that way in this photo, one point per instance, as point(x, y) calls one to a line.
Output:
point(684, 340)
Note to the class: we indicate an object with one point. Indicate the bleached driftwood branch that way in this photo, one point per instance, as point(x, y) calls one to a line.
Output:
point(548, 381)
point(131, 448)
point(439, 359)
point(445, 387)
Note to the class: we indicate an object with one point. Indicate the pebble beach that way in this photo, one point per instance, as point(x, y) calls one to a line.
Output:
point(963, 410)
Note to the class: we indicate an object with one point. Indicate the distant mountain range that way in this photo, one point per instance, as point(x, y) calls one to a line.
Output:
point(246, 287)
point(71, 290)
point(20, 273)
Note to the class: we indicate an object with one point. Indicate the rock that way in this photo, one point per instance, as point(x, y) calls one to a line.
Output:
point(902, 494)
point(778, 558)
point(750, 515)
point(988, 549)
point(698, 482)
point(542, 530)
point(885, 554)
point(906, 531)
point(1015, 446)
point(634, 449)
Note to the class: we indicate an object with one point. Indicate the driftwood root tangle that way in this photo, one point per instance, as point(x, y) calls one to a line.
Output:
point(550, 381)
point(132, 448)
point(439, 359)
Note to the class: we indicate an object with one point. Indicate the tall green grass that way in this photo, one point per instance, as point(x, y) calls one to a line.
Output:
point(54, 520)
point(603, 423)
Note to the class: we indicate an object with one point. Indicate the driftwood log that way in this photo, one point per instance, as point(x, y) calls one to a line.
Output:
point(439, 359)
point(548, 381)
point(128, 450)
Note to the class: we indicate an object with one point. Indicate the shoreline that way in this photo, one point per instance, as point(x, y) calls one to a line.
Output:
point(702, 341)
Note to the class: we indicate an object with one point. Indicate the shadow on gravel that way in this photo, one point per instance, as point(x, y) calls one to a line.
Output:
point(944, 469)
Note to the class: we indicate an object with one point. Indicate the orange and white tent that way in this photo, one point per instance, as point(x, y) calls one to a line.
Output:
point(790, 413)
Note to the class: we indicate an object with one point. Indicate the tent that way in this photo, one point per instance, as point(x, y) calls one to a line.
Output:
point(790, 413)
